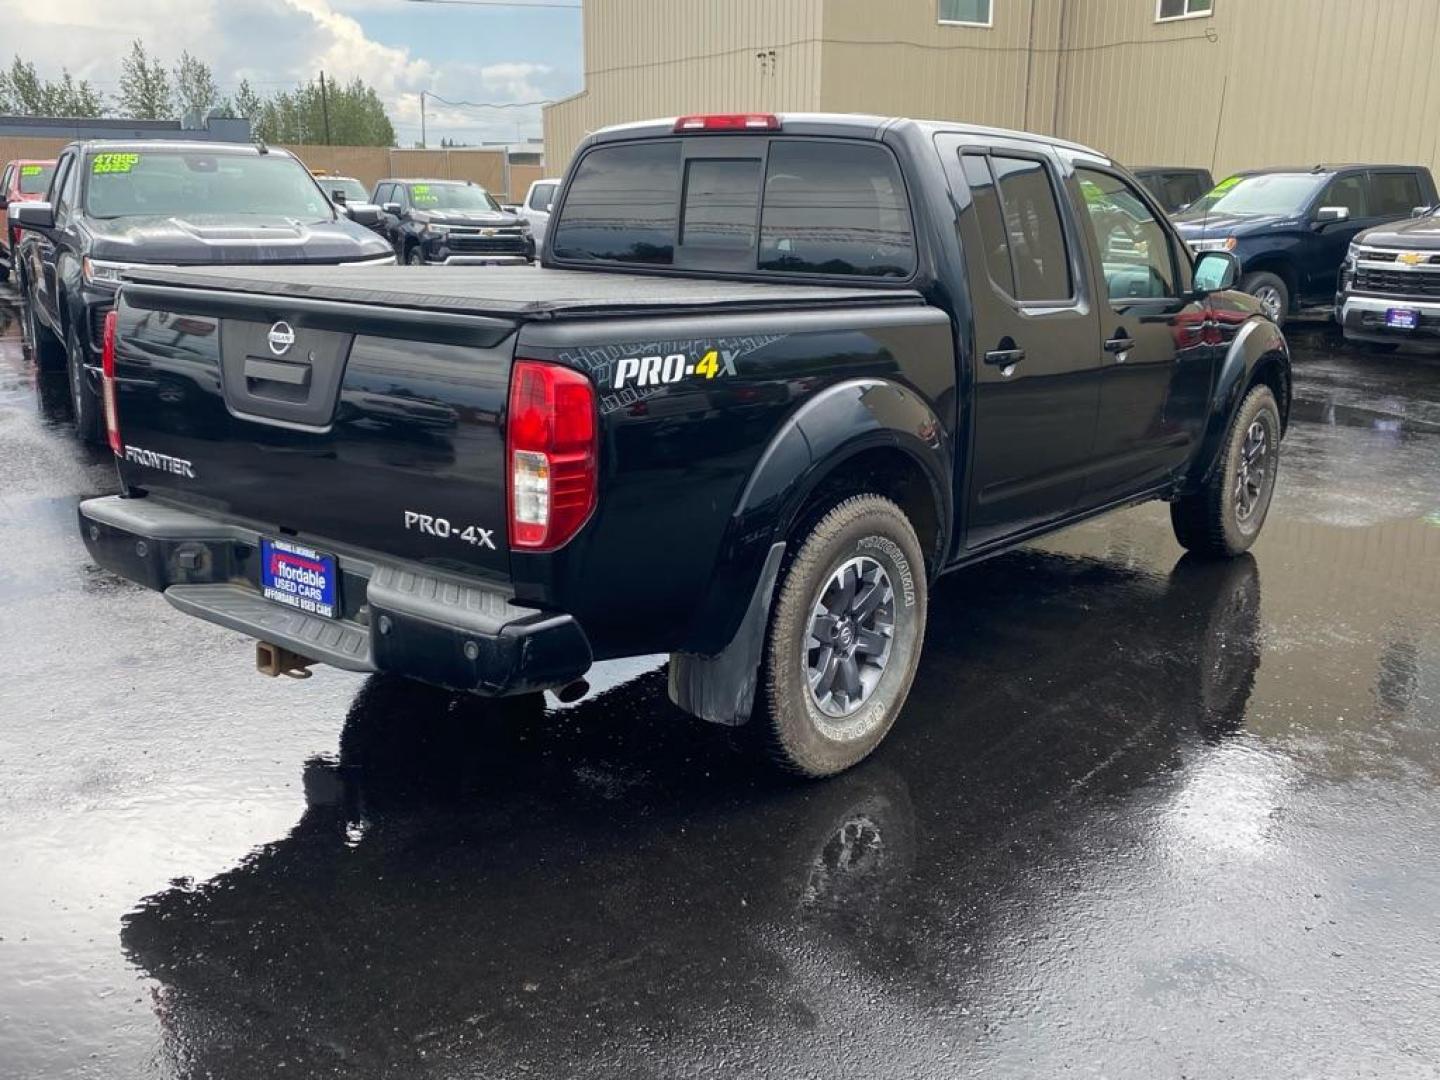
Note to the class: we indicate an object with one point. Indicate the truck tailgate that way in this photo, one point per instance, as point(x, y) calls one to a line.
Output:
point(348, 427)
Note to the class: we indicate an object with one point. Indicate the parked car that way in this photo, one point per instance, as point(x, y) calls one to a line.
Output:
point(536, 207)
point(450, 222)
point(123, 204)
point(746, 426)
point(1174, 187)
point(344, 190)
point(1290, 228)
point(22, 181)
point(1390, 284)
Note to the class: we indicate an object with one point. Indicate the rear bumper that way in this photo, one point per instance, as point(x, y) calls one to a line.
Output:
point(397, 618)
point(1363, 318)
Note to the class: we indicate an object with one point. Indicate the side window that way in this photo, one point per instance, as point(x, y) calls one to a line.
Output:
point(1394, 194)
point(835, 208)
point(1346, 191)
point(1033, 229)
point(623, 205)
point(1134, 248)
point(721, 198)
point(382, 194)
point(542, 196)
point(60, 186)
point(1181, 189)
point(5, 181)
point(992, 223)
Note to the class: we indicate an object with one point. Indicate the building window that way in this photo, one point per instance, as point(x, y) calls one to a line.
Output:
point(1165, 10)
point(970, 12)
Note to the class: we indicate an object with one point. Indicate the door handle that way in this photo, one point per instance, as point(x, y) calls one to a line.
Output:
point(1004, 357)
point(1120, 344)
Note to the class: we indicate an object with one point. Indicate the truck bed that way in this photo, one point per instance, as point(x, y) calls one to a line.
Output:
point(524, 293)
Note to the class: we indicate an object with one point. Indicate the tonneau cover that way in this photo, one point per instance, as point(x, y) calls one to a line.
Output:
point(520, 292)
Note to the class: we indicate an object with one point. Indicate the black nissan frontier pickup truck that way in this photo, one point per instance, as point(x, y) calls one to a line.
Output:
point(777, 374)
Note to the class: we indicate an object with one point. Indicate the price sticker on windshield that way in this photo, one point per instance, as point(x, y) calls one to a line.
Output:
point(113, 163)
point(31, 170)
point(1225, 185)
point(421, 194)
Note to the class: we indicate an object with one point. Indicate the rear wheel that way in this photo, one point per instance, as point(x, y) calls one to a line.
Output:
point(84, 401)
point(844, 638)
point(1272, 292)
point(1225, 516)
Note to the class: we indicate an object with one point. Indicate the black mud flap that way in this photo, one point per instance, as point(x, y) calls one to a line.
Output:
point(721, 688)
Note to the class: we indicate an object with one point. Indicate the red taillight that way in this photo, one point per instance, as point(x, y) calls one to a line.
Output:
point(551, 453)
point(107, 382)
point(729, 122)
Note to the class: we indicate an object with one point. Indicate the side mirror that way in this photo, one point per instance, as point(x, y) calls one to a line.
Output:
point(39, 216)
point(1328, 214)
point(362, 213)
point(391, 208)
point(1420, 211)
point(1215, 271)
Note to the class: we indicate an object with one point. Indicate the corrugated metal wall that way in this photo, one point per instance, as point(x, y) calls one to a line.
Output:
point(1260, 82)
point(649, 58)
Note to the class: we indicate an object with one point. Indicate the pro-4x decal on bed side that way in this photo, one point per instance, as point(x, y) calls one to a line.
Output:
point(635, 371)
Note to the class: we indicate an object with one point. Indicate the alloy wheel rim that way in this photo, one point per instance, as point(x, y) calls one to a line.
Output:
point(1269, 298)
point(1253, 471)
point(849, 640)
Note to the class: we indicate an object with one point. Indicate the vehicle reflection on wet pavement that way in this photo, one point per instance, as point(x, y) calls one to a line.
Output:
point(1142, 816)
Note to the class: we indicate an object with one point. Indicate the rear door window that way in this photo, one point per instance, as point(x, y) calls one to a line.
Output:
point(835, 208)
point(981, 183)
point(1394, 194)
point(623, 205)
point(1033, 229)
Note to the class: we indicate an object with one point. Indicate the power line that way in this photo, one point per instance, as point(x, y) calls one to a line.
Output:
point(502, 3)
point(481, 104)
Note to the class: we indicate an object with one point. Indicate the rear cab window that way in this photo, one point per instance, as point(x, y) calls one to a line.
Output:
point(35, 179)
point(541, 196)
point(1026, 250)
point(1394, 193)
point(812, 206)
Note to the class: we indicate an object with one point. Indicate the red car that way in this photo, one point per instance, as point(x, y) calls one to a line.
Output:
point(23, 181)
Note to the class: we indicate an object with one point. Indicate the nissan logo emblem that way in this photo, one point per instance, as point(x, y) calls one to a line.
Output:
point(280, 337)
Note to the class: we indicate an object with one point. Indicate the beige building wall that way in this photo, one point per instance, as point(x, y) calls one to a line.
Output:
point(1259, 82)
point(649, 58)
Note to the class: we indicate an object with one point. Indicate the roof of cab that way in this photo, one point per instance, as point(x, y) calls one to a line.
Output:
point(193, 145)
point(855, 125)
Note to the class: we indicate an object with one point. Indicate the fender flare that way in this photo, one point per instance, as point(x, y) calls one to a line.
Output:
point(1257, 341)
point(831, 428)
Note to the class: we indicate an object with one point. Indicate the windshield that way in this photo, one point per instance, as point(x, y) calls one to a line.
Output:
point(1262, 193)
point(435, 196)
point(352, 190)
point(173, 183)
point(35, 179)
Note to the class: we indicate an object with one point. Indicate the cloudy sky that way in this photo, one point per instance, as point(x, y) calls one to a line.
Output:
point(488, 52)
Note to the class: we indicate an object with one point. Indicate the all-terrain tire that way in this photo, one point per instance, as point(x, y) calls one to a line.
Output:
point(89, 424)
point(1213, 520)
point(866, 539)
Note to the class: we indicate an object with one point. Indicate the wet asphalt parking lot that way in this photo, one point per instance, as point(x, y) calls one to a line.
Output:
point(1142, 817)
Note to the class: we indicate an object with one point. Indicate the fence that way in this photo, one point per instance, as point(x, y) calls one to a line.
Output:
point(367, 164)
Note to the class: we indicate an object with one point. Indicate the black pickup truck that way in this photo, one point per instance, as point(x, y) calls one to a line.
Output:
point(777, 375)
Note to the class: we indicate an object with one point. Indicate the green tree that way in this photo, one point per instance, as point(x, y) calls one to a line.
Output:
point(357, 116)
point(195, 90)
point(247, 103)
point(24, 93)
point(144, 86)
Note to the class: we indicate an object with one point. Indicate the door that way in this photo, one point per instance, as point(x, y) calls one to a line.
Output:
point(1330, 240)
point(1155, 386)
point(44, 250)
point(1035, 363)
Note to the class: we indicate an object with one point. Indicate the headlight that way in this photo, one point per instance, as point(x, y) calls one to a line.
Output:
point(440, 229)
point(105, 274)
point(1225, 244)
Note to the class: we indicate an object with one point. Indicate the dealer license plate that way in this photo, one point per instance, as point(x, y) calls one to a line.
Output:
point(299, 577)
point(1400, 318)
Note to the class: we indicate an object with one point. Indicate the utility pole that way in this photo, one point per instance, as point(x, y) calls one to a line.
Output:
point(325, 107)
point(423, 144)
